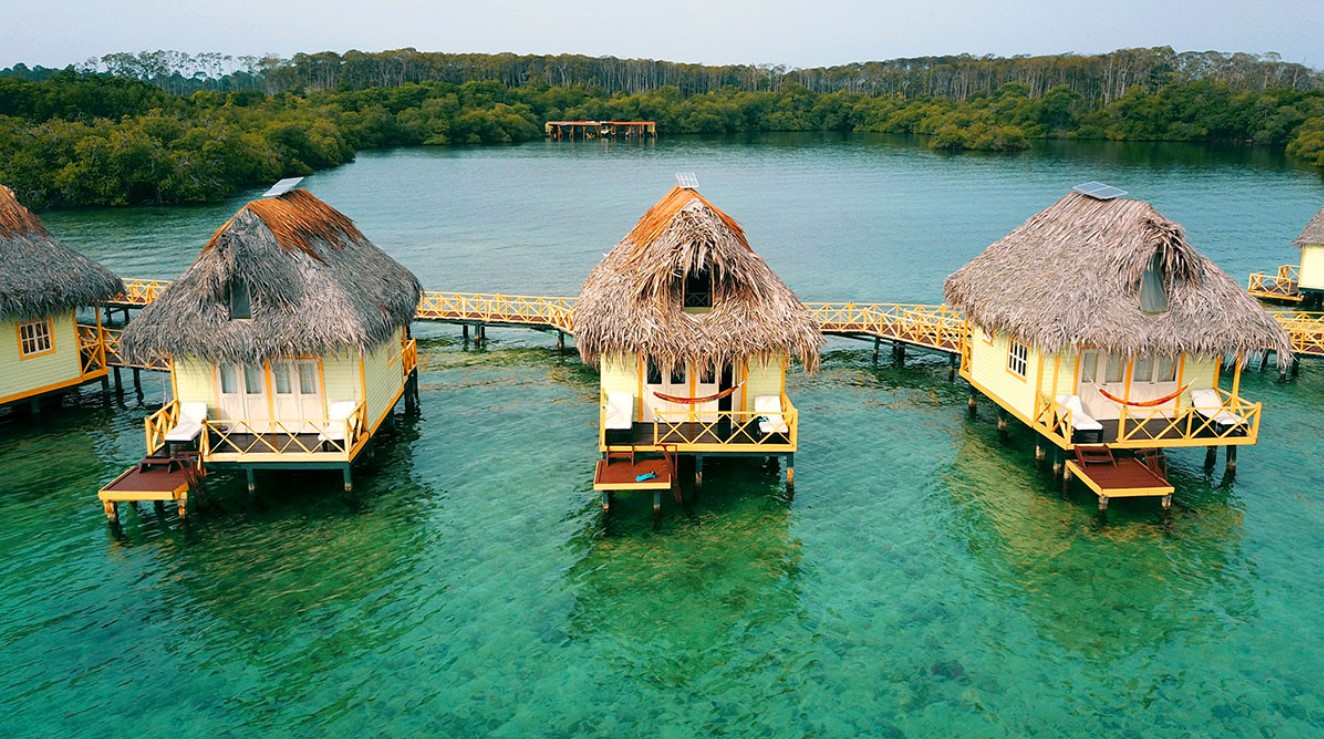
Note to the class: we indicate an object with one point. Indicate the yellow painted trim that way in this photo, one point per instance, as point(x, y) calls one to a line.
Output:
point(50, 334)
point(266, 384)
point(1057, 371)
point(321, 385)
point(785, 361)
point(1117, 492)
point(1039, 374)
point(363, 380)
point(1236, 375)
point(639, 371)
point(1075, 373)
point(1218, 370)
point(52, 388)
point(174, 381)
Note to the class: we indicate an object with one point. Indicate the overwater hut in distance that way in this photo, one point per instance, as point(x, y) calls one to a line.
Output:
point(289, 339)
point(691, 331)
point(1310, 284)
point(1095, 322)
point(42, 284)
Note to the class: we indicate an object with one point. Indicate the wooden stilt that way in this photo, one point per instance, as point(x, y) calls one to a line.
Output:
point(606, 504)
point(657, 508)
point(349, 480)
point(1231, 454)
point(1002, 422)
point(119, 382)
point(1210, 456)
point(1264, 360)
point(1040, 454)
point(1103, 504)
point(876, 342)
point(159, 507)
point(1167, 501)
point(138, 382)
point(252, 482)
point(698, 470)
point(105, 384)
point(898, 354)
point(1296, 367)
point(1066, 479)
point(951, 368)
point(481, 334)
point(1057, 462)
point(560, 342)
point(971, 406)
point(790, 474)
point(112, 512)
point(181, 506)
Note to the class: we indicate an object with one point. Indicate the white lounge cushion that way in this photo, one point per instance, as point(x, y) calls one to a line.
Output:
point(189, 425)
point(1207, 403)
point(620, 411)
point(337, 412)
point(1080, 420)
point(769, 408)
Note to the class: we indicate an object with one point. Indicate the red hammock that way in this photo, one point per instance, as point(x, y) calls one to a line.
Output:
point(696, 401)
point(1144, 403)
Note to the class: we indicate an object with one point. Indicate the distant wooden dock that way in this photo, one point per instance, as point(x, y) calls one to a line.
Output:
point(1283, 287)
point(572, 130)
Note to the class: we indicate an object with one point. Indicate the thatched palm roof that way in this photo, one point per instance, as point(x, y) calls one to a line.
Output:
point(316, 284)
point(38, 274)
point(1313, 233)
point(632, 301)
point(1070, 276)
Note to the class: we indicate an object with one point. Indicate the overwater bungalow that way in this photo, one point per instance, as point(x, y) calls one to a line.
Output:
point(692, 332)
point(42, 285)
point(289, 342)
point(1098, 326)
point(1310, 283)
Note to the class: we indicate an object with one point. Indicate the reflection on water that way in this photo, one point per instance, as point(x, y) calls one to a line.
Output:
point(924, 581)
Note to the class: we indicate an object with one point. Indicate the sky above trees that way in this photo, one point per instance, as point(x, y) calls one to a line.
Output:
point(55, 33)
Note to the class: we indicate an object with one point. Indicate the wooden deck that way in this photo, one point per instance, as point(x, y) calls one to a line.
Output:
point(623, 473)
point(1125, 478)
point(736, 437)
point(1281, 287)
point(155, 479)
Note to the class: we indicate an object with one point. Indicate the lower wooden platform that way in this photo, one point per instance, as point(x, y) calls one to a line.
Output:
point(620, 473)
point(1125, 478)
point(155, 479)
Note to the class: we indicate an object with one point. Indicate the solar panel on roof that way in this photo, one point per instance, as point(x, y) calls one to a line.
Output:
point(687, 180)
point(282, 187)
point(1099, 191)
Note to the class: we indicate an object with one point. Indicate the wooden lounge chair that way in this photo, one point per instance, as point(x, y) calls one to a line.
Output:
point(1083, 424)
point(189, 426)
point(1210, 408)
point(619, 418)
point(341, 419)
point(772, 420)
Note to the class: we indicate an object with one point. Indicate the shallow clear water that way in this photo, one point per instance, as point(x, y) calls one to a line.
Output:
point(924, 580)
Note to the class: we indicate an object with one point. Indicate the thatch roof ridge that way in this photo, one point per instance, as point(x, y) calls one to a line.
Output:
point(38, 274)
point(1070, 276)
point(317, 285)
point(1313, 233)
point(631, 301)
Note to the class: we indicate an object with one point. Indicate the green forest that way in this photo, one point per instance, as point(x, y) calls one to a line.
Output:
point(167, 127)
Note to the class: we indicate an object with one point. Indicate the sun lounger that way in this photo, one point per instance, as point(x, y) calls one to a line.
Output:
point(189, 425)
point(1207, 403)
point(769, 409)
point(1081, 422)
point(341, 418)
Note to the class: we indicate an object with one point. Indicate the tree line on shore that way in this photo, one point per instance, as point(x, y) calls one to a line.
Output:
point(165, 127)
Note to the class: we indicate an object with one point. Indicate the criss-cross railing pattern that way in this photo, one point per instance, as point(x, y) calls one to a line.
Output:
point(933, 326)
point(1305, 329)
point(522, 310)
point(1281, 286)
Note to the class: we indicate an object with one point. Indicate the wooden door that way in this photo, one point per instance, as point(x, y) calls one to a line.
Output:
point(297, 393)
point(243, 395)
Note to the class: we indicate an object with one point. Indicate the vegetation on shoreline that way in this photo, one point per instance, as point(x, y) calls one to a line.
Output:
point(98, 136)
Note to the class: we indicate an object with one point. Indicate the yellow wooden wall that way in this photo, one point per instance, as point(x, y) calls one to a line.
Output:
point(384, 376)
point(19, 377)
point(766, 376)
point(622, 373)
point(195, 382)
point(1312, 266)
point(988, 371)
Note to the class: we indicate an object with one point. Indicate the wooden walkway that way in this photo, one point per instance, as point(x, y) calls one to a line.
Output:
point(934, 327)
point(931, 327)
point(1282, 287)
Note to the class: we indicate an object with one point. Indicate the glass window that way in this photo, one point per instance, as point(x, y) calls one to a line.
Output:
point(241, 304)
point(1143, 369)
point(34, 337)
point(1017, 357)
point(1089, 363)
point(252, 379)
point(699, 289)
point(678, 375)
point(308, 378)
point(1167, 369)
point(1153, 295)
point(709, 375)
point(280, 375)
point(1116, 371)
point(654, 374)
point(229, 379)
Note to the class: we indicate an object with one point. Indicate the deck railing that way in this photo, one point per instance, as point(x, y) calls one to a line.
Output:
point(933, 326)
point(409, 356)
point(1178, 424)
point(1306, 330)
point(230, 440)
point(1281, 286)
point(495, 308)
point(92, 350)
point(159, 424)
point(140, 292)
point(714, 431)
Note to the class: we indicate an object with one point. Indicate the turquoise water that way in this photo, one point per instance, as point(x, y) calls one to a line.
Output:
point(924, 580)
